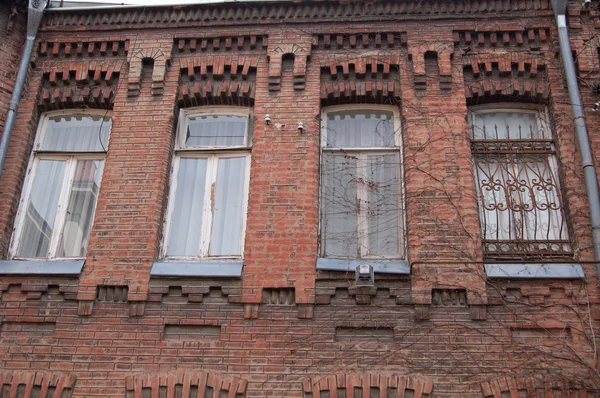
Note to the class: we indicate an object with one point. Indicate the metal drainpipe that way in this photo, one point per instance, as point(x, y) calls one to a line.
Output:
point(591, 181)
point(34, 18)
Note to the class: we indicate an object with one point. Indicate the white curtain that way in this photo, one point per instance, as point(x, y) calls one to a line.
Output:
point(216, 131)
point(506, 126)
point(41, 209)
point(80, 210)
point(186, 218)
point(360, 129)
point(228, 214)
point(76, 133)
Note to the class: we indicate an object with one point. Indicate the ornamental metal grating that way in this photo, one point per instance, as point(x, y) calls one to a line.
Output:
point(521, 210)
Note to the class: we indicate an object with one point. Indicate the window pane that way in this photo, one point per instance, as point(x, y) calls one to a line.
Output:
point(228, 204)
point(339, 210)
point(186, 218)
point(382, 208)
point(216, 131)
point(41, 209)
point(76, 133)
point(80, 211)
point(506, 126)
point(360, 129)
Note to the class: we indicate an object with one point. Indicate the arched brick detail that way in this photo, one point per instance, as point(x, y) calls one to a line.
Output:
point(509, 73)
point(533, 386)
point(158, 73)
point(29, 384)
point(185, 384)
point(443, 47)
point(300, 48)
point(367, 385)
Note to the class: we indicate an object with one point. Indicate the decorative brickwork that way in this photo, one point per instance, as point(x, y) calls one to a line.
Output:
point(280, 47)
point(216, 44)
point(185, 384)
point(78, 48)
point(367, 385)
point(78, 84)
point(368, 79)
point(31, 384)
point(511, 74)
point(532, 38)
point(338, 41)
point(533, 386)
point(159, 62)
point(218, 79)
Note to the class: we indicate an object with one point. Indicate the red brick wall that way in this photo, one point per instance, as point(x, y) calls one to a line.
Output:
point(283, 328)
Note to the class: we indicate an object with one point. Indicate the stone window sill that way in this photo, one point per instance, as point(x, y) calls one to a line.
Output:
point(206, 268)
point(379, 266)
point(534, 271)
point(41, 267)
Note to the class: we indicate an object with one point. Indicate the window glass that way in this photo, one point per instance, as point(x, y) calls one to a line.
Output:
point(215, 131)
point(506, 126)
point(360, 129)
point(41, 207)
point(76, 134)
point(186, 218)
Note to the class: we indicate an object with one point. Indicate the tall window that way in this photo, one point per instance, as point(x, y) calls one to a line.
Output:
point(209, 188)
point(362, 212)
point(61, 190)
point(521, 209)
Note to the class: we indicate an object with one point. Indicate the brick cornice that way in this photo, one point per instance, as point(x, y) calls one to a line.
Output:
point(283, 13)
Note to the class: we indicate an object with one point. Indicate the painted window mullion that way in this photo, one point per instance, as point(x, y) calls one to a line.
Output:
point(362, 227)
point(63, 205)
point(172, 193)
point(210, 186)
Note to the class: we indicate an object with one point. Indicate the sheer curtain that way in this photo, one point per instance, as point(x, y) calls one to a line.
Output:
point(186, 217)
point(340, 207)
point(360, 129)
point(228, 214)
point(80, 210)
point(34, 240)
point(76, 134)
point(216, 131)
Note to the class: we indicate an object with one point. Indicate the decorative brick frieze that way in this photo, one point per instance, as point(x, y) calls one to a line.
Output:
point(180, 293)
point(33, 384)
point(76, 84)
point(508, 74)
point(298, 46)
point(370, 78)
point(449, 297)
point(421, 53)
point(367, 385)
point(345, 41)
point(533, 386)
point(219, 79)
point(210, 15)
point(112, 294)
point(185, 384)
point(159, 60)
point(227, 43)
point(45, 290)
point(83, 48)
point(531, 38)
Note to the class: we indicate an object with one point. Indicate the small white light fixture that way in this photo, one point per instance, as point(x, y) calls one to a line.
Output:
point(365, 275)
point(268, 119)
point(596, 106)
point(586, 3)
point(300, 127)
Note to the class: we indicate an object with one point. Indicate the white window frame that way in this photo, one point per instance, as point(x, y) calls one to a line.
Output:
point(361, 154)
point(71, 158)
point(542, 119)
point(213, 154)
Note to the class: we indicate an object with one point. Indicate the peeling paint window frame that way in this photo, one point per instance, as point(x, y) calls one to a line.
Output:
point(70, 159)
point(212, 154)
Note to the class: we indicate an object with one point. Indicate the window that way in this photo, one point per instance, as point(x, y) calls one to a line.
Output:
point(61, 190)
point(362, 213)
point(209, 189)
point(521, 209)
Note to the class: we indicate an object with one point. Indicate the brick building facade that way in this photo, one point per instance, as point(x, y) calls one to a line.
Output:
point(462, 188)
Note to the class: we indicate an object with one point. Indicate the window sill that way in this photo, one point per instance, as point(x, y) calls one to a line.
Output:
point(379, 266)
point(534, 271)
point(41, 267)
point(208, 268)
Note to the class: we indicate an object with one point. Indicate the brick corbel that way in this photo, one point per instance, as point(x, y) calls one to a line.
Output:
point(279, 46)
point(161, 59)
point(443, 49)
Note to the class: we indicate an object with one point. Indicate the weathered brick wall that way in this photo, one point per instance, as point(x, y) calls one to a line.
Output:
point(284, 329)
